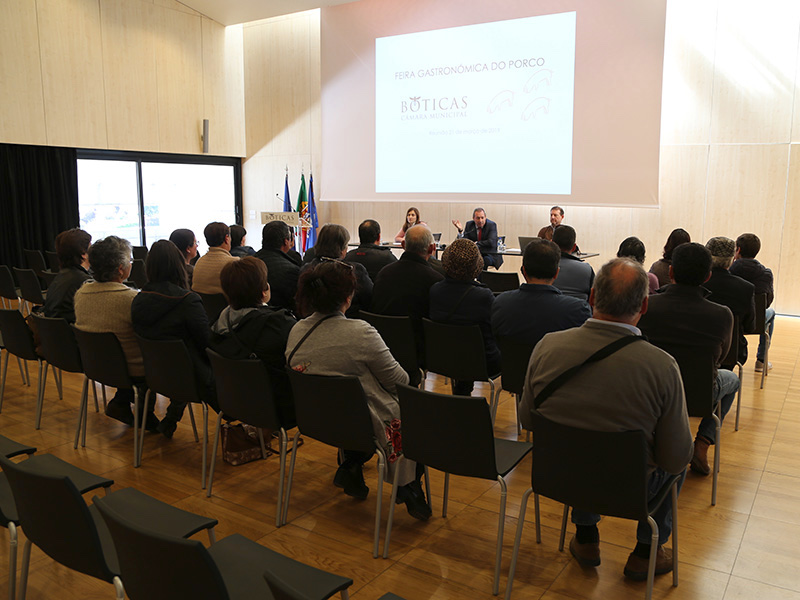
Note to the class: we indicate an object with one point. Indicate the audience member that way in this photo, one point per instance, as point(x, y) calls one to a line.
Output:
point(238, 249)
point(370, 253)
point(633, 247)
point(332, 246)
point(72, 247)
point(412, 218)
point(748, 268)
point(462, 300)
point(206, 271)
point(165, 309)
point(636, 388)
point(249, 327)
point(186, 242)
point(682, 316)
point(575, 277)
point(326, 343)
point(556, 216)
point(104, 304)
point(731, 291)
point(660, 268)
point(276, 241)
point(483, 232)
point(537, 307)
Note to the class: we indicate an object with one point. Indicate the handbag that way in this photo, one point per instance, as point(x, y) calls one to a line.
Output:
point(240, 444)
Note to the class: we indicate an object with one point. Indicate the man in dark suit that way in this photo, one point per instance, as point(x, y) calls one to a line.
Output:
point(282, 269)
point(483, 232)
point(370, 253)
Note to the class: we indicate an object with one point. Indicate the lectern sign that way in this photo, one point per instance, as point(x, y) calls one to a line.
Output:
point(292, 219)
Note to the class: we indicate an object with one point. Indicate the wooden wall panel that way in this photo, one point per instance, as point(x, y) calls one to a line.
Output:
point(70, 40)
point(21, 99)
point(129, 68)
point(223, 88)
point(257, 88)
point(787, 297)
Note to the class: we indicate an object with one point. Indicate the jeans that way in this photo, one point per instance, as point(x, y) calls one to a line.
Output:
point(762, 339)
point(662, 517)
point(725, 389)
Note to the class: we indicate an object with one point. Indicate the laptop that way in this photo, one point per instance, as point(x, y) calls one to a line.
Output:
point(524, 241)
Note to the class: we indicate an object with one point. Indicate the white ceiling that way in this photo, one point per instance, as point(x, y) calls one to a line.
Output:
point(233, 12)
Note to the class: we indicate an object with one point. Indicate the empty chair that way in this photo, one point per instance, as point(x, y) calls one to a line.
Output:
point(138, 275)
point(500, 282)
point(454, 434)
point(599, 472)
point(514, 359)
point(35, 261)
point(286, 585)
point(8, 289)
point(398, 334)
point(158, 566)
point(30, 288)
point(18, 340)
point(53, 263)
point(244, 393)
point(213, 303)
point(48, 277)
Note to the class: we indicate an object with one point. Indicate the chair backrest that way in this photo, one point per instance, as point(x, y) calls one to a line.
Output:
point(732, 358)
point(398, 335)
point(761, 313)
point(168, 369)
point(213, 303)
point(697, 371)
point(55, 517)
point(139, 252)
point(35, 261)
point(449, 433)
point(514, 359)
point(7, 287)
point(244, 390)
point(102, 358)
point(58, 344)
point(500, 282)
point(30, 288)
point(52, 261)
point(333, 410)
point(48, 277)
point(9, 447)
point(17, 336)
point(138, 275)
point(154, 566)
point(597, 471)
point(455, 351)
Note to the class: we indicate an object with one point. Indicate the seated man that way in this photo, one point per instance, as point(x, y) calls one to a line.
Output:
point(638, 387)
point(483, 232)
point(556, 216)
point(748, 268)
point(72, 247)
point(575, 277)
point(277, 240)
point(537, 307)
point(370, 253)
point(205, 278)
point(682, 316)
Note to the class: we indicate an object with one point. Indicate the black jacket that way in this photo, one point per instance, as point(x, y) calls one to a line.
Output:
point(372, 256)
point(760, 276)
point(60, 301)
point(488, 242)
point(282, 274)
point(737, 294)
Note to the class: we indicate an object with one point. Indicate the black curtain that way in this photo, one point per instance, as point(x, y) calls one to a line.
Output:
point(38, 198)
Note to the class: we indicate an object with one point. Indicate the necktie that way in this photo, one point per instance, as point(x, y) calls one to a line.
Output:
point(480, 230)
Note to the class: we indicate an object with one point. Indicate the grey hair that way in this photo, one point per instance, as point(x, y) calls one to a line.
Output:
point(106, 256)
point(618, 292)
point(418, 240)
point(721, 261)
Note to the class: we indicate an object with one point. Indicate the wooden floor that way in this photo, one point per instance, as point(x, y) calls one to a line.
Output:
point(748, 546)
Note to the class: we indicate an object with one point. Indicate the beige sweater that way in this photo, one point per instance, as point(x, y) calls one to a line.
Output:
point(101, 307)
point(205, 279)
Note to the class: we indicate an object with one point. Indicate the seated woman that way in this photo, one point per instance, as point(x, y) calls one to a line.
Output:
point(186, 242)
point(165, 309)
point(412, 218)
point(238, 238)
point(72, 247)
point(462, 300)
point(249, 326)
point(633, 247)
point(332, 245)
point(660, 268)
point(104, 304)
point(327, 343)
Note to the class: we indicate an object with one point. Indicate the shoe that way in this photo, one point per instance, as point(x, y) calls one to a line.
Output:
point(121, 411)
point(167, 427)
point(416, 505)
point(636, 567)
point(152, 423)
point(587, 555)
point(350, 477)
point(760, 366)
point(699, 462)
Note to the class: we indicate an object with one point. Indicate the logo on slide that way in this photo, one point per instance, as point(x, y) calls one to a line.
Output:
point(418, 104)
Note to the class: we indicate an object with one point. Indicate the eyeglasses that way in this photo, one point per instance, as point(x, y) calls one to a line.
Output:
point(337, 261)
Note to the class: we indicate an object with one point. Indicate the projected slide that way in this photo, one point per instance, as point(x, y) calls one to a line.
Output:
point(477, 109)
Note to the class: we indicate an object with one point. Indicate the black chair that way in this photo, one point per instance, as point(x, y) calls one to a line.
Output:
point(514, 359)
point(214, 304)
point(500, 282)
point(139, 253)
point(138, 274)
point(289, 586)
point(47, 278)
point(244, 393)
point(731, 361)
point(52, 261)
point(18, 340)
point(159, 566)
point(35, 261)
point(458, 352)
point(169, 371)
point(398, 335)
point(334, 411)
point(48, 495)
point(8, 289)
point(30, 288)
point(600, 472)
point(8, 510)
point(454, 434)
point(104, 362)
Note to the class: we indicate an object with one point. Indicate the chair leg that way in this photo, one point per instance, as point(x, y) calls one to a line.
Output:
point(493, 399)
point(766, 358)
point(537, 516)
point(214, 454)
point(40, 391)
point(563, 528)
point(23, 575)
point(22, 371)
point(518, 399)
point(12, 560)
point(675, 535)
point(444, 496)
point(289, 481)
point(501, 522)
point(119, 589)
point(136, 425)
point(427, 486)
point(205, 445)
point(3, 379)
point(143, 421)
point(58, 375)
point(261, 443)
point(378, 502)
point(717, 451)
point(103, 389)
point(82, 410)
point(651, 567)
point(738, 397)
point(94, 393)
point(390, 519)
point(284, 442)
point(518, 538)
point(27, 374)
point(194, 425)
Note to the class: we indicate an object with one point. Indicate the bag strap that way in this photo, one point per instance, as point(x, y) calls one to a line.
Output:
point(604, 352)
point(308, 333)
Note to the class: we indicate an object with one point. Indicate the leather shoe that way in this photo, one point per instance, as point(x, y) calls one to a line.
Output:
point(414, 498)
point(350, 477)
point(121, 411)
point(587, 555)
point(636, 567)
point(699, 462)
